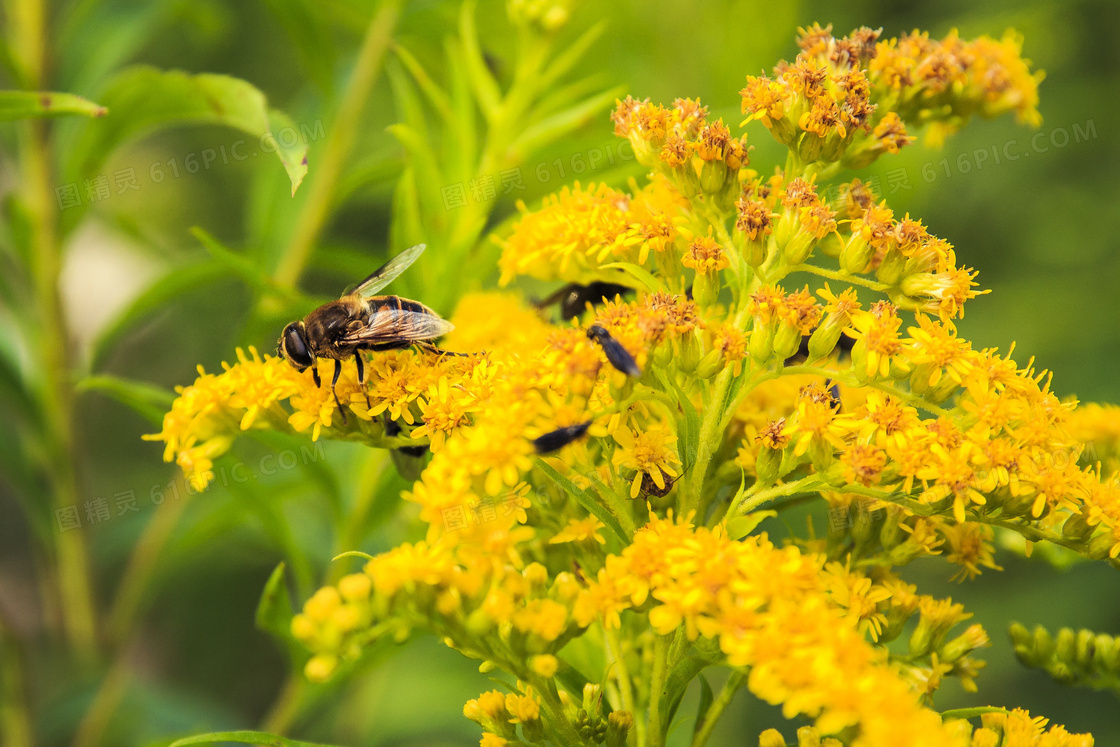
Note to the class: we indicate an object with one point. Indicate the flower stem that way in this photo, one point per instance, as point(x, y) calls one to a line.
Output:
point(656, 685)
point(343, 132)
point(74, 586)
point(715, 710)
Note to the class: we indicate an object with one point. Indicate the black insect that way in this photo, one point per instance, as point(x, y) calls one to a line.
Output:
point(573, 298)
point(559, 438)
point(616, 354)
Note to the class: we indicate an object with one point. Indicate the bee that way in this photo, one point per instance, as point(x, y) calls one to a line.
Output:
point(573, 298)
point(360, 320)
point(616, 354)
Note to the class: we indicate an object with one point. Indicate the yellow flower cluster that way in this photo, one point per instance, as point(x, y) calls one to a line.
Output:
point(561, 452)
point(580, 229)
point(855, 98)
point(770, 610)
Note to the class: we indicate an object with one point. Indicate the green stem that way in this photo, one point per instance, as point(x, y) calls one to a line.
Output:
point(341, 138)
point(834, 275)
point(284, 709)
point(753, 498)
point(79, 621)
point(141, 567)
point(100, 712)
point(719, 705)
point(656, 686)
point(616, 660)
point(15, 716)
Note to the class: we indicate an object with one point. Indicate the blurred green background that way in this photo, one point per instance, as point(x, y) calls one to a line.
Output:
point(1041, 230)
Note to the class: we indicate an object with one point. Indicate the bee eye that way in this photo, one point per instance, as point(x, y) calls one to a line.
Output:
point(294, 347)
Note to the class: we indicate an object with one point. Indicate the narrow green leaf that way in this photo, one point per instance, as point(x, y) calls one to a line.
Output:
point(148, 400)
point(690, 444)
point(429, 180)
point(677, 682)
point(177, 281)
point(571, 55)
point(245, 737)
point(485, 87)
point(557, 125)
point(585, 499)
point(244, 268)
point(274, 610)
point(641, 274)
point(463, 145)
point(436, 95)
point(40, 104)
point(740, 526)
point(143, 99)
point(706, 698)
point(352, 554)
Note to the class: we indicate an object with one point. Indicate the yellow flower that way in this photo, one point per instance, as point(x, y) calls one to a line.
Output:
point(579, 530)
point(649, 451)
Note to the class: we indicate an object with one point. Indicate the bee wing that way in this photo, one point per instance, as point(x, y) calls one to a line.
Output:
point(394, 325)
point(387, 272)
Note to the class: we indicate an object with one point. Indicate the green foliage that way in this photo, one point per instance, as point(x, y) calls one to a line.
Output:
point(130, 630)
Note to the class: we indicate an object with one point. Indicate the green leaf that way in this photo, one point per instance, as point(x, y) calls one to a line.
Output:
point(706, 698)
point(690, 443)
point(436, 95)
point(149, 400)
point(352, 554)
point(740, 526)
point(555, 126)
point(245, 737)
point(143, 99)
point(486, 88)
point(41, 104)
point(585, 499)
point(311, 36)
point(177, 281)
point(677, 682)
point(567, 59)
point(244, 268)
point(641, 274)
point(274, 611)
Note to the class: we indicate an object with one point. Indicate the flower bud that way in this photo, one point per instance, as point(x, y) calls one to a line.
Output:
point(891, 268)
point(710, 364)
point(808, 736)
point(761, 344)
point(767, 464)
point(712, 176)
point(786, 341)
point(771, 738)
point(856, 254)
point(705, 288)
point(824, 338)
point(619, 724)
point(799, 247)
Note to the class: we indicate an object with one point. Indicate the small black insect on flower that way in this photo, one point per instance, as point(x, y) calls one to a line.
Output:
point(559, 438)
point(616, 354)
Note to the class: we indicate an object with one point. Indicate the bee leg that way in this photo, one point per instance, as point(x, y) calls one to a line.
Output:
point(334, 380)
point(315, 376)
point(362, 375)
point(425, 345)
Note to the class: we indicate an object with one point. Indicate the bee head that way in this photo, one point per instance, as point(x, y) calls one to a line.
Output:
point(293, 346)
